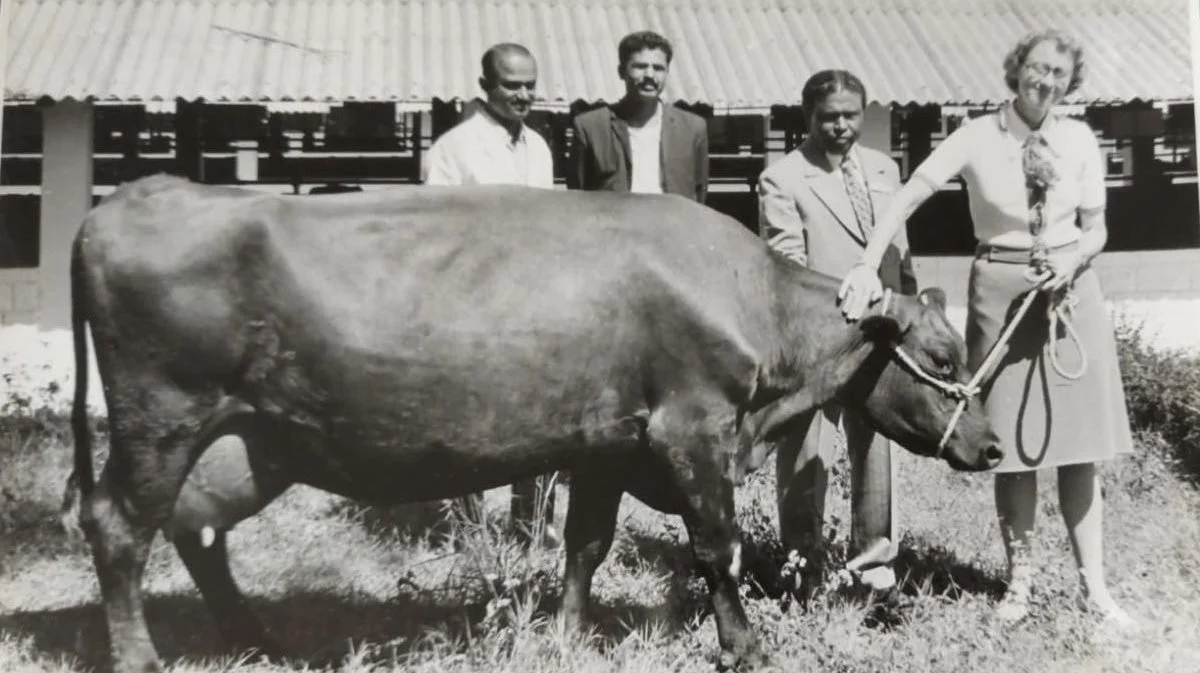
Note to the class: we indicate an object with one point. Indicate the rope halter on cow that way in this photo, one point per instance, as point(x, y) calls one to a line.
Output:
point(962, 392)
point(1059, 310)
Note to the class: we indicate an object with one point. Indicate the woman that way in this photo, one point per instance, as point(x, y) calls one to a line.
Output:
point(1032, 175)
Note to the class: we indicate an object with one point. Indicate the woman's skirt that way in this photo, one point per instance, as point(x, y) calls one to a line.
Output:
point(1045, 418)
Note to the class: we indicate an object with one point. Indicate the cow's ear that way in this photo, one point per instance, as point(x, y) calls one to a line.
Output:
point(933, 296)
point(881, 328)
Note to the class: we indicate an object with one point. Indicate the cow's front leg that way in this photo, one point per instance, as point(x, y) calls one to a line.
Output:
point(699, 466)
point(230, 482)
point(591, 524)
point(715, 542)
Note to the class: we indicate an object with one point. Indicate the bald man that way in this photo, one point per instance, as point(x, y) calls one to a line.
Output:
point(494, 146)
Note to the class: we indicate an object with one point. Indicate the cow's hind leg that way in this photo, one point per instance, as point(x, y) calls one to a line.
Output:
point(230, 482)
point(591, 524)
point(698, 463)
point(120, 544)
point(209, 567)
point(153, 443)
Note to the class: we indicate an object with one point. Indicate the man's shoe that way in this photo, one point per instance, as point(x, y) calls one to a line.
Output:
point(879, 578)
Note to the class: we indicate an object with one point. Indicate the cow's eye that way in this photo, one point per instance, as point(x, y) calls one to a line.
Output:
point(942, 366)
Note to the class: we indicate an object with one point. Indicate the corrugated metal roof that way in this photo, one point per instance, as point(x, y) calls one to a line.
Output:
point(729, 53)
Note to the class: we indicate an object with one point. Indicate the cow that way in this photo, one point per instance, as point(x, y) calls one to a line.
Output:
point(423, 343)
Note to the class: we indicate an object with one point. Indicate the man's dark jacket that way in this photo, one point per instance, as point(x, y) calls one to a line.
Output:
point(601, 158)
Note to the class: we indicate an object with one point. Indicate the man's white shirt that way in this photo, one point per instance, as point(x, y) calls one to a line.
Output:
point(645, 143)
point(481, 151)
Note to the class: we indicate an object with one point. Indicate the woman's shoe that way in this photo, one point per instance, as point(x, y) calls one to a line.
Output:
point(1015, 605)
point(1113, 617)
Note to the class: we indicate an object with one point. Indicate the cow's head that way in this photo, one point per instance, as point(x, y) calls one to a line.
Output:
point(913, 385)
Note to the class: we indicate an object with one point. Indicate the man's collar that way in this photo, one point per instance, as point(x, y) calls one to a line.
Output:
point(622, 108)
point(495, 121)
point(823, 159)
point(656, 117)
point(836, 160)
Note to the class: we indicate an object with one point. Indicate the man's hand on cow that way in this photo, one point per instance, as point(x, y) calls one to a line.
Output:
point(859, 290)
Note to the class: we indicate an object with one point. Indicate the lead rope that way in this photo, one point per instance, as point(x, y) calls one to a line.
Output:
point(1040, 175)
point(1059, 309)
point(963, 392)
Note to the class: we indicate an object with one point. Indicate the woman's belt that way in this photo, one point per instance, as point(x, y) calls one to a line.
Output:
point(1005, 255)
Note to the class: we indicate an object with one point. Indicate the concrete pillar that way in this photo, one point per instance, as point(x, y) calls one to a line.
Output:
point(876, 130)
point(66, 199)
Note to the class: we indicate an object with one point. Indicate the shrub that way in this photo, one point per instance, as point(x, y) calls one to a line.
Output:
point(1162, 389)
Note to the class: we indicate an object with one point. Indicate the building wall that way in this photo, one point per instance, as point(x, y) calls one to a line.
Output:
point(20, 296)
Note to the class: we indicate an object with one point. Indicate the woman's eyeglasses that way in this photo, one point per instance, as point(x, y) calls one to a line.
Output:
point(1043, 69)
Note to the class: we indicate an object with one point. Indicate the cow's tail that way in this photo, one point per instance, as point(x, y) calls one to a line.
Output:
point(82, 480)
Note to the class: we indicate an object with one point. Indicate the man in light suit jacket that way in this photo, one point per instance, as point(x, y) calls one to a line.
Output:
point(817, 206)
point(641, 144)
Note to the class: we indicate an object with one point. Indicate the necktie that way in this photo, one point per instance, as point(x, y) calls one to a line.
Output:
point(1039, 176)
point(856, 189)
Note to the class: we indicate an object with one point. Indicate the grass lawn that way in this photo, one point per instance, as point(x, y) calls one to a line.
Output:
point(353, 589)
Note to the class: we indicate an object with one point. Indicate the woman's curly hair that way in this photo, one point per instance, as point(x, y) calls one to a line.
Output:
point(1065, 43)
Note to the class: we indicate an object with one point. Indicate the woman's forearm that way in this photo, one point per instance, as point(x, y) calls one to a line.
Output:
point(1094, 237)
point(907, 199)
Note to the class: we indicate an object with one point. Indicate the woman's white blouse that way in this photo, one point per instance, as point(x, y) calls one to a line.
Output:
point(986, 151)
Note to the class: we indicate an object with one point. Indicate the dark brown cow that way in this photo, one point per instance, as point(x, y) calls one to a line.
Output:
point(418, 344)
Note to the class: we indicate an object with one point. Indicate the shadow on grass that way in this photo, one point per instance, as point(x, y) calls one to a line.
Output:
point(313, 629)
point(938, 571)
point(920, 570)
point(634, 550)
point(321, 629)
